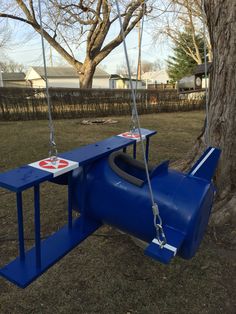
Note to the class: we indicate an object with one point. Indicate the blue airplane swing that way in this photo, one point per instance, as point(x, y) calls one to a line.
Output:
point(167, 209)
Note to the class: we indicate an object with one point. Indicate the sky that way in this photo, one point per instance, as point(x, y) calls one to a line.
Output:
point(26, 49)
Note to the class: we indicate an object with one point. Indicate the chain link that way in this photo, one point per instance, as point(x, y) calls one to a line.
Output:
point(133, 123)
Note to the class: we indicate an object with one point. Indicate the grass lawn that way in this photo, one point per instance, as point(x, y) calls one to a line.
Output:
point(108, 273)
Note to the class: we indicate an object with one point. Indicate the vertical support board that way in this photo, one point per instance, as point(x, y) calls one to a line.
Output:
point(37, 225)
point(134, 150)
point(70, 216)
point(147, 147)
point(20, 225)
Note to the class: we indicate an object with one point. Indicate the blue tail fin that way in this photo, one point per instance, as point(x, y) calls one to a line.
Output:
point(206, 165)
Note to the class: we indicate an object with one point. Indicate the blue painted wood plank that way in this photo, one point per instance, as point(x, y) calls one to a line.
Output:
point(86, 154)
point(22, 273)
point(174, 238)
point(25, 177)
point(206, 165)
point(22, 178)
point(147, 132)
point(89, 153)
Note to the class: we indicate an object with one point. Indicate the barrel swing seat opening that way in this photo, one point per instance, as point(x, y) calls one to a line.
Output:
point(129, 169)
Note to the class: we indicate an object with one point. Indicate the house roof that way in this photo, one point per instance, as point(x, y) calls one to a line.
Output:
point(66, 72)
point(200, 68)
point(123, 78)
point(13, 76)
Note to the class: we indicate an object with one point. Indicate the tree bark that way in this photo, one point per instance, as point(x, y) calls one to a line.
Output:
point(221, 19)
point(86, 73)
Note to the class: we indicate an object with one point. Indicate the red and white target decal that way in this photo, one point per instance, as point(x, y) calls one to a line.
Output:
point(58, 164)
point(132, 136)
point(58, 167)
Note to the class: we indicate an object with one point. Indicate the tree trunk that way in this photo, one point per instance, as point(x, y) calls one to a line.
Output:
point(86, 73)
point(221, 19)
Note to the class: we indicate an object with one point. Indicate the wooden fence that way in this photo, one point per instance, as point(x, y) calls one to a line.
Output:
point(31, 104)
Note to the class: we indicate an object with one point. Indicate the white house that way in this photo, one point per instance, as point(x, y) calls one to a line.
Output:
point(119, 81)
point(101, 79)
point(13, 79)
point(64, 77)
point(156, 77)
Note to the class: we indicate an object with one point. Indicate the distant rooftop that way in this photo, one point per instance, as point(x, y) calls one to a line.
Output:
point(123, 77)
point(13, 76)
point(200, 68)
point(66, 72)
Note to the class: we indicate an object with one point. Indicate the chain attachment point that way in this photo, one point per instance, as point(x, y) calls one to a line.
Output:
point(53, 152)
point(160, 235)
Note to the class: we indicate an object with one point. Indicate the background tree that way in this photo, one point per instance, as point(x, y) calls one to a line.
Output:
point(221, 19)
point(5, 38)
point(121, 69)
point(181, 63)
point(177, 17)
point(80, 31)
point(11, 66)
point(5, 35)
point(148, 66)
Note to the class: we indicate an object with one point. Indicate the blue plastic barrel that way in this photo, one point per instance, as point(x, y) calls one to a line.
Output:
point(184, 200)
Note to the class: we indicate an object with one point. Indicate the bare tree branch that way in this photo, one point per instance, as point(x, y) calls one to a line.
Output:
point(182, 15)
point(69, 23)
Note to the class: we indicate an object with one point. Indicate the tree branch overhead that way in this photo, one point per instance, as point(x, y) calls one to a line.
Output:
point(63, 20)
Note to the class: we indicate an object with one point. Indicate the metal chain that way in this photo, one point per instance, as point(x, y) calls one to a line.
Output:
point(206, 76)
point(133, 117)
point(52, 142)
point(157, 221)
point(133, 123)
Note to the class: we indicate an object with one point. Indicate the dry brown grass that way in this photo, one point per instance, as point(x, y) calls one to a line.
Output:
point(108, 273)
